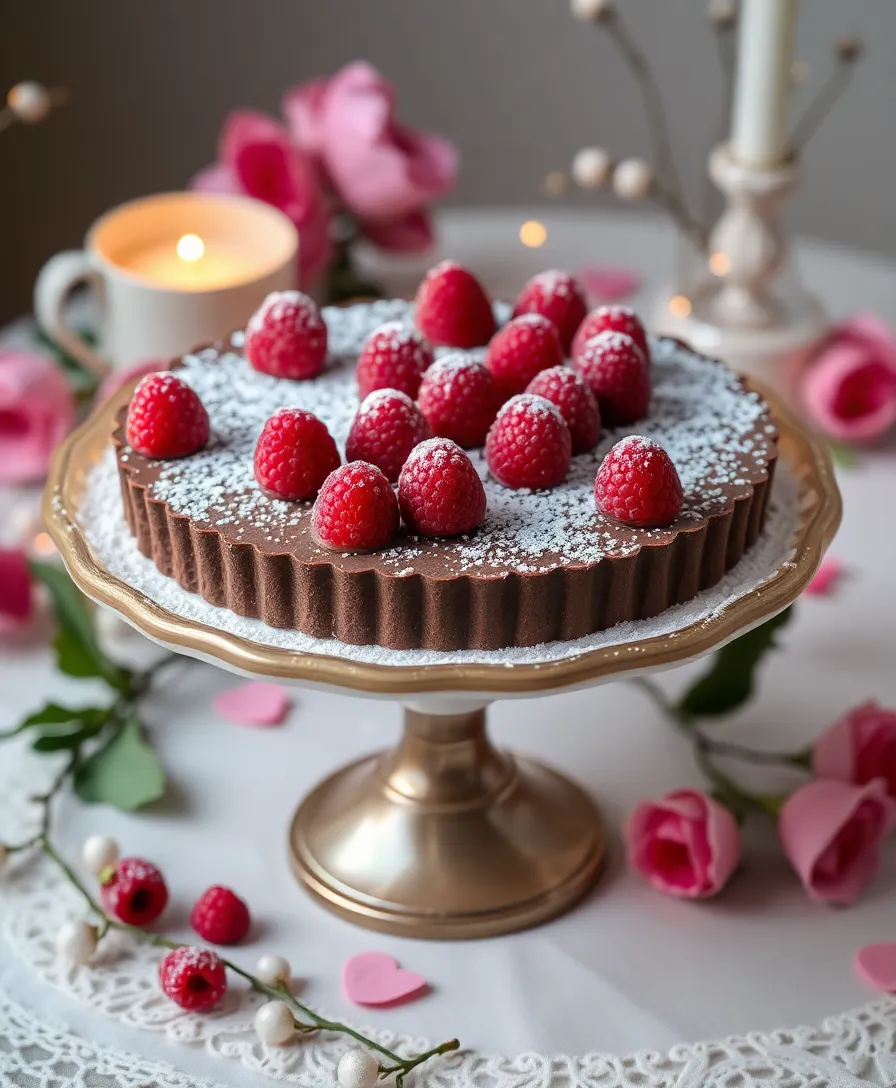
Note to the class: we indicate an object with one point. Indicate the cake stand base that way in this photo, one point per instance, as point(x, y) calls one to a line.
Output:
point(446, 837)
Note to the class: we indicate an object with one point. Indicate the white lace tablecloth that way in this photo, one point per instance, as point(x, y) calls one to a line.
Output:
point(628, 973)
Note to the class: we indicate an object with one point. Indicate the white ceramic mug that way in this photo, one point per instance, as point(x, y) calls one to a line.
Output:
point(168, 272)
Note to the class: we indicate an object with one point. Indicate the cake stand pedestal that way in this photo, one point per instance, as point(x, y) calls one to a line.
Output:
point(444, 836)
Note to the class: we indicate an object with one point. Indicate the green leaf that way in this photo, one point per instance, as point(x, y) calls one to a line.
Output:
point(81, 726)
point(59, 742)
point(49, 714)
point(729, 681)
point(124, 772)
point(73, 657)
point(844, 456)
point(80, 378)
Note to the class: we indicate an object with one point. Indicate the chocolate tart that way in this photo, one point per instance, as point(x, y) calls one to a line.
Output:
point(544, 566)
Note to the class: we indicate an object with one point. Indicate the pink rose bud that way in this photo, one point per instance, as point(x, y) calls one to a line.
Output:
point(832, 834)
point(16, 597)
point(860, 747)
point(37, 409)
point(684, 844)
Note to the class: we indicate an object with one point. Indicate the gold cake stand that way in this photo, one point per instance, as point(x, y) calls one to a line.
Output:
point(445, 836)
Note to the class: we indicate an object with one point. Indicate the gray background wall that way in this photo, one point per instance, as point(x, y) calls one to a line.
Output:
point(518, 84)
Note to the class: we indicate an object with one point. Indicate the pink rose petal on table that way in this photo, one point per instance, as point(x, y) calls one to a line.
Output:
point(826, 578)
point(609, 284)
point(374, 978)
point(876, 963)
point(255, 703)
point(859, 747)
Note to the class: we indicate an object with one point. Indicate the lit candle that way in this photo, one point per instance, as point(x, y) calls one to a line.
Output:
point(188, 263)
point(765, 57)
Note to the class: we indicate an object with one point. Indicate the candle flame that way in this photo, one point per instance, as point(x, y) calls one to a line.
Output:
point(680, 306)
point(190, 247)
point(533, 234)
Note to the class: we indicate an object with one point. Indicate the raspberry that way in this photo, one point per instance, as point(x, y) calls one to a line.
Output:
point(356, 510)
point(615, 318)
point(453, 309)
point(393, 357)
point(166, 418)
point(559, 297)
point(458, 398)
point(570, 392)
point(529, 444)
point(638, 485)
point(294, 455)
point(385, 430)
point(134, 891)
point(524, 347)
point(287, 337)
point(193, 978)
point(618, 375)
point(220, 916)
point(439, 490)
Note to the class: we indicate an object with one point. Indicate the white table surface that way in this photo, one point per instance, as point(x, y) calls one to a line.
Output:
point(629, 969)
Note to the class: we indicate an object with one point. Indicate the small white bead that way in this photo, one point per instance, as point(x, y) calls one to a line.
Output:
point(591, 10)
point(632, 179)
point(76, 942)
point(273, 970)
point(98, 853)
point(274, 1023)
point(357, 1069)
point(591, 167)
point(29, 101)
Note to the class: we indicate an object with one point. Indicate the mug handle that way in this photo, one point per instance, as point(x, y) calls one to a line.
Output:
point(57, 279)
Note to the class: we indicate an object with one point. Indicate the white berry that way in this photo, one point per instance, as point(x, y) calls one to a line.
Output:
point(76, 942)
point(98, 853)
point(273, 970)
point(274, 1023)
point(357, 1069)
point(592, 10)
point(632, 179)
point(591, 167)
point(29, 101)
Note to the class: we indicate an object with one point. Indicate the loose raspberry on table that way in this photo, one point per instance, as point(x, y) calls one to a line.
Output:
point(559, 297)
point(618, 375)
point(356, 510)
point(529, 444)
point(394, 356)
point(287, 337)
point(525, 346)
point(637, 484)
point(577, 404)
point(166, 418)
point(220, 916)
point(386, 428)
point(458, 398)
point(439, 490)
point(294, 455)
point(452, 307)
point(614, 318)
point(134, 891)
point(193, 978)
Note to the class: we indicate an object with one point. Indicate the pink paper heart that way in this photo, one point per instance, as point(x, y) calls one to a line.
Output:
point(877, 965)
point(255, 703)
point(609, 284)
point(825, 581)
point(373, 978)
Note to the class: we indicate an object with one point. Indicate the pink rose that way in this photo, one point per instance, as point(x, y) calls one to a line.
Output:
point(412, 233)
point(37, 409)
point(850, 389)
point(832, 833)
point(118, 379)
point(684, 844)
point(16, 599)
point(256, 157)
point(860, 747)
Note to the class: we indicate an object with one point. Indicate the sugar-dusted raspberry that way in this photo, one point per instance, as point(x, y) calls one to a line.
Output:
point(618, 375)
point(614, 318)
point(166, 418)
point(570, 392)
point(394, 356)
point(287, 337)
point(356, 510)
point(294, 455)
point(453, 308)
point(194, 978)
point(134, 891)
point(559, 297)
point(529, 444)
point(458, 398)
point(385, 430)
point(439, 490)
point(638, 485)
point(219, 916)
point(525, 346)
